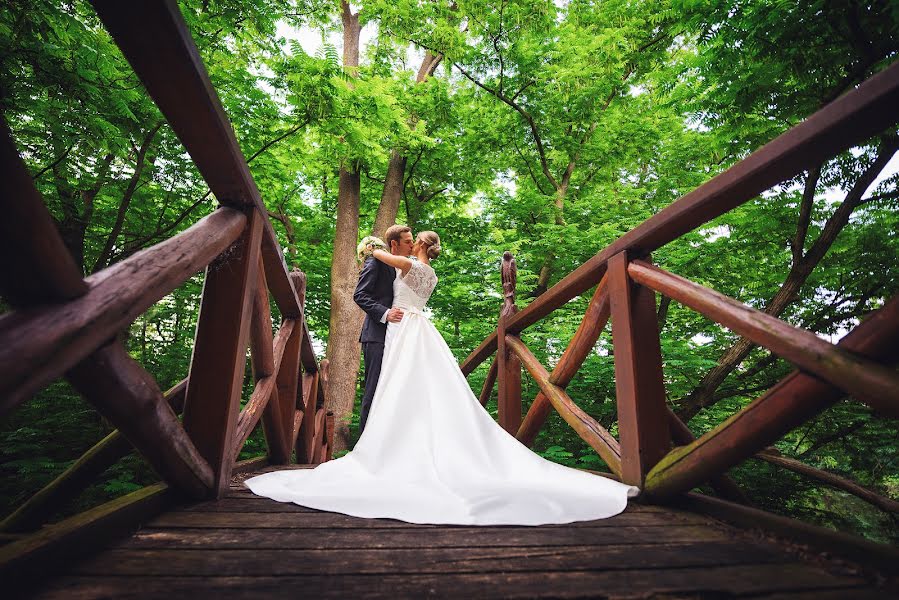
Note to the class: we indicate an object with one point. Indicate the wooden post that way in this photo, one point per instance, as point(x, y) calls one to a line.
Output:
point(508, 363)
point(640, 390)
point(303, 444)
point(289, 374)
point(219, 357)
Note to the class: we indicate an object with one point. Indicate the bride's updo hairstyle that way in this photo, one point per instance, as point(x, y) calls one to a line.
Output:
point(432, 241)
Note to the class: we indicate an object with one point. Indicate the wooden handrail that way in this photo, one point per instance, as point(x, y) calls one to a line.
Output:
point(797, 398)
point(846, 122)
point(864, 379)
point(40, 344)
point(156, 42)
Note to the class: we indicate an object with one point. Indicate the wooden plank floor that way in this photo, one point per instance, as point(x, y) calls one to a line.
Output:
point(245, 546)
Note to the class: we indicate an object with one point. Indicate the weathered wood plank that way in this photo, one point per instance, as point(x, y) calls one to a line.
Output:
point(709, 582)
point(87, 531)
point(865, 379)
point(583, 424)
point(461, 537)
point(639, 386)
point(838, 543)
point(40, 344)
point(260, 562)
point(324, 520)
point(217, 367)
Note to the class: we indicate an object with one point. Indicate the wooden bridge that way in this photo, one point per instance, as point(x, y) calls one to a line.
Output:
point(201, 532)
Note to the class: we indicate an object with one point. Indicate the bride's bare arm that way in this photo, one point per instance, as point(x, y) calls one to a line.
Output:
point(400, 262)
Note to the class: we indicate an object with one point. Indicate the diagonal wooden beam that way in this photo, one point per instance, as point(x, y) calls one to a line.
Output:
point(123, 392)
point(583, 424)
point(80, 474)
point(595, 318)
point(260, 399)
point(797, 398)
point(157, 43)
point(489, 383)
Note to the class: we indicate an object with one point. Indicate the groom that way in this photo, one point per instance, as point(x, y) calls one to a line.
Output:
point(374, 295)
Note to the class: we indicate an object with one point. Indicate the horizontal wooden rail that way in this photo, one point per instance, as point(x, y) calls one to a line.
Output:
point(865, 379)
point(794, 400)
point(38, 345)
point(586, 426)
point(156, 42)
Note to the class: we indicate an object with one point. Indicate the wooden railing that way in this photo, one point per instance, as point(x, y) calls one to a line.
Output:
point(656, 451)
point(63, 325)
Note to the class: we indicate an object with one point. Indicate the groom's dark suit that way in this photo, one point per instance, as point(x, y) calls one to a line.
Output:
point(374, 295)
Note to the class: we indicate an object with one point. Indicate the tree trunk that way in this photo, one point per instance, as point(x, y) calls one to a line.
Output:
point(393, 191)
point(393, 183)
point(346, 318)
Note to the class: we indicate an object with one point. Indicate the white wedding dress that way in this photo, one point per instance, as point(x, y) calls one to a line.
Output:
point(430, 453)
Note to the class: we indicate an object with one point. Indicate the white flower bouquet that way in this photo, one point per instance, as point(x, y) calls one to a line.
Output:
point(368, 245)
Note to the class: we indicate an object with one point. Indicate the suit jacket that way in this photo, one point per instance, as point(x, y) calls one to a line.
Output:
point(374, 295)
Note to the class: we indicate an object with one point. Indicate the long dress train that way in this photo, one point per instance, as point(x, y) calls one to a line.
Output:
point(430, 453)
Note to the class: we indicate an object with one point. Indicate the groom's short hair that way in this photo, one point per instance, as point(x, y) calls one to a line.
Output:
point(394, 232)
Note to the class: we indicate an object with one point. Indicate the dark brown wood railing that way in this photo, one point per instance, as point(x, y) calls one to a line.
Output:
point(63, 325)
point(656, 451)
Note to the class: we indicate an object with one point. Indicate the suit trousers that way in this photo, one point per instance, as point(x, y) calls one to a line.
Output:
point(373, 354)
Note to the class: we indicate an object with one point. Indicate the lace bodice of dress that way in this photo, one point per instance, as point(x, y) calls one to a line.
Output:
point(413, 290)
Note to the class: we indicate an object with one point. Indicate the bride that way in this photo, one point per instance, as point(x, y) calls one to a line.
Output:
point(429, 452)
